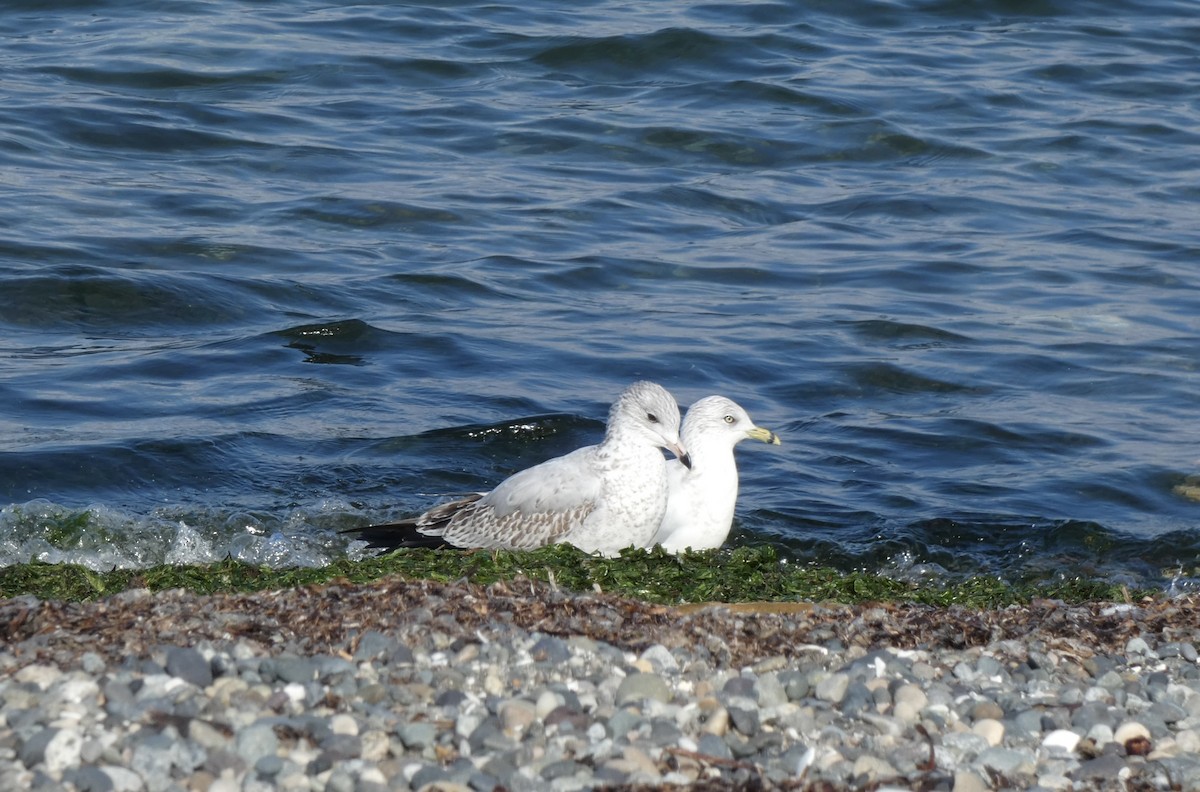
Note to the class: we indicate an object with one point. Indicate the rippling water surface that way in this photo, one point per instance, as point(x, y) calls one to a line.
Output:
point(272, 270)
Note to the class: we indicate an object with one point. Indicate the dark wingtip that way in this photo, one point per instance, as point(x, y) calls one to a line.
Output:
point(686, 459)
point(395, 536)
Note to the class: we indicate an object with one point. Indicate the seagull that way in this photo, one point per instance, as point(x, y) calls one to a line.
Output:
point(702, 495)
point(600, 498)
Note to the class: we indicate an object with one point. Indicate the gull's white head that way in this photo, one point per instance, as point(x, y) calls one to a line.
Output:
point(646, 409)
point(718, 420)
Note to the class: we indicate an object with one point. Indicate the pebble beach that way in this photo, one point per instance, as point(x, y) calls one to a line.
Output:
point(417, 685)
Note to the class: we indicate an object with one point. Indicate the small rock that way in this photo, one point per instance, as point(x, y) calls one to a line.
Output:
point(342, 723)
point(341, 747)
point(715, 718)
point(268, 766)
point(744, 718)
point(374, 644)
point(712, 745)
point(1100, 734)
point(909, 701)
point(1063, 740)
point(872, 768)
point(639, 686)
point(1008, 761)
point(967, 781)
point(33, 750)
point(416, 736)
point(660, 659)
point(516, 715)
point(1137, 647)
point(1133, 737)
point(622, 722)
point(289, 668)
point(450, 699)
point(123, 779)
point(987, 709)
point(833, 688)
point(89, 779)
point(553, 651)
point(206, 735)
point(771, 691)
point(563, 768)
point(40, 675)
point(639, 759)
point(989, 729)
point(189, 665)
point(256, 741)
point(547, 702)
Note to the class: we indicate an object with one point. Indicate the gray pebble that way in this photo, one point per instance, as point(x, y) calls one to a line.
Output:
point(289, 668)
point(268, 766)
point(712, 745)
point(744, 718)
point(622, 722)
point(418, 735)
point(832, 688)
point(639, 686)
point(256, 741)
point(90, 779)
point(561, 769)
point(189, 665)
point(1008, 761)
point(550, 650)
point(33, 750)
point(425, 706)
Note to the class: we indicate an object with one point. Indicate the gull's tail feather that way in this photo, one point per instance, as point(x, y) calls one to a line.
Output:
point(394, 536)
point(422, 531)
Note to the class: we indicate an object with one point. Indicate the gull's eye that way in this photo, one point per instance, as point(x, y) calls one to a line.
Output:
point(651, 417)
point(729, 419)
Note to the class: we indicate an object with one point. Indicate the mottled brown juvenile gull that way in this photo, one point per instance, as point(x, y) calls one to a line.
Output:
point(701, 497)
point(600, 498)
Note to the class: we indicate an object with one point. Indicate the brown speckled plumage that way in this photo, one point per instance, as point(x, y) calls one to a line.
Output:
point(600, 498)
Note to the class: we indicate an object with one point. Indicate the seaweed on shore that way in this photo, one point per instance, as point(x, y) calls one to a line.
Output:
point(743, 574)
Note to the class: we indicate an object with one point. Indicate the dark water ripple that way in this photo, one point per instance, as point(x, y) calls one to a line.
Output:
point(269, 271)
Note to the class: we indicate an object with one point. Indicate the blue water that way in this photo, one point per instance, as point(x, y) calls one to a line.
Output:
point(272, 270)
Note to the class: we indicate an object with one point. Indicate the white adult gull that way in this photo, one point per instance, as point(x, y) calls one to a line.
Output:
point(600, 498)
point(702, 496)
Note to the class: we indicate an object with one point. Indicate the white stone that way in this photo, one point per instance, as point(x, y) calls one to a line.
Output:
point(1188, 741)
point(342, 723)
point(966, 781)
point(295, 692)
point(873, 767)
point(547, 702)
point(909, 701)
point(493, 685)
point(1061, 739)
point(1164, 749)
point(991, 730)
point(227, 689)
point(76, 690)
point(375, 745)
point(41, 675)
point(63, 750)
point(1130, 730)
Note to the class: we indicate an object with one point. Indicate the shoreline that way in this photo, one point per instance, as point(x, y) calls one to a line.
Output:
point(873, 690)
